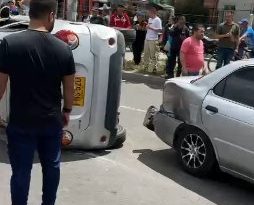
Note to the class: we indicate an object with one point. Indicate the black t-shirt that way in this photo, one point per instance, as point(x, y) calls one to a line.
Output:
point(178, 35)
point(140, 33)
point(36, 63)
point(97, 20)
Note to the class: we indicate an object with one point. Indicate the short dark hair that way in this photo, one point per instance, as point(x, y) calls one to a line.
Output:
point(196, 27)
point(40, 8)
point(120, 6)
point(153, 9)
point(183, 18)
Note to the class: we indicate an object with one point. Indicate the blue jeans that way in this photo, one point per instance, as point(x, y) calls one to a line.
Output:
point(22, 144)
point(225, 55)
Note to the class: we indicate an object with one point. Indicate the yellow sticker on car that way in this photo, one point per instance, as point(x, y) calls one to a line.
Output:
point(79, 91)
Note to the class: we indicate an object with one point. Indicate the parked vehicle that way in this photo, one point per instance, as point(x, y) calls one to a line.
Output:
point(98, 53)
point(209, 120)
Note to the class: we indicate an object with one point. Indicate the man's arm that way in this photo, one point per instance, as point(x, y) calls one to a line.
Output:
point(68, 90)
point(182, 59)
point(220, 35)
point(111, 22)
point(128, 21)
point(243, 37)
point(157, 28)
point(184, 50)
point(3, 83)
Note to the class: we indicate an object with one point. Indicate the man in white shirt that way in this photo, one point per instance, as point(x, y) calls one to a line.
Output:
point(154, 27)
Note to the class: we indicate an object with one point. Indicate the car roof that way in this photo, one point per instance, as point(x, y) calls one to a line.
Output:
point(213, 78)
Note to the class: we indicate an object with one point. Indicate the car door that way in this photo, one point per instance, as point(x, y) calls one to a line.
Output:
point(228, 116)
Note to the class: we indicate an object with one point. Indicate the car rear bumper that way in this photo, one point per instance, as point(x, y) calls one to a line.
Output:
point(164, 125)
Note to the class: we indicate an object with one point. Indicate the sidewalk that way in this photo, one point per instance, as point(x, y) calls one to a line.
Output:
point(136, 76)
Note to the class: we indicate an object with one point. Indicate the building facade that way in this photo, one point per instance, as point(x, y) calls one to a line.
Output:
point(242, 8)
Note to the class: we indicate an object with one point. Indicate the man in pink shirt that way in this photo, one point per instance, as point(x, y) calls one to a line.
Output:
point(192, 52)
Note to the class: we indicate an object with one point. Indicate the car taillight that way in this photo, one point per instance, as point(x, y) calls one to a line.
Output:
point(67, 138)
point(68, 37)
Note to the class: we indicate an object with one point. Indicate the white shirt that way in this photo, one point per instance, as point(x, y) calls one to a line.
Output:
point(156, 24)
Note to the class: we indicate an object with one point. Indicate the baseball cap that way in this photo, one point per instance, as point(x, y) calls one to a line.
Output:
point(244, 20)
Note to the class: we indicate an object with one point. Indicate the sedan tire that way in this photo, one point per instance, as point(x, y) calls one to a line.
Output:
point(195, 152)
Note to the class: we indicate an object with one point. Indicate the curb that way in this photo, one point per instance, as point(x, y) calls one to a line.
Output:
point(131, 76)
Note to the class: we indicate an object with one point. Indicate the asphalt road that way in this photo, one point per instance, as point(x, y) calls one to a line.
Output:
point(143, 172)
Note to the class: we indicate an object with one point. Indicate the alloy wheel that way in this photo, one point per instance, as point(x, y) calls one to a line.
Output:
point(193, 151)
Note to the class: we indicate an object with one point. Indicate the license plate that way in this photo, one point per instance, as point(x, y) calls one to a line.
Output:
point(79, 91)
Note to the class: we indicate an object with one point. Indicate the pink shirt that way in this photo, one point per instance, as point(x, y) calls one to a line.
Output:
point(194, 54)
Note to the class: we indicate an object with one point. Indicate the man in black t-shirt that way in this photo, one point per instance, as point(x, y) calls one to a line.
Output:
point(37, 64)
point(178, 33)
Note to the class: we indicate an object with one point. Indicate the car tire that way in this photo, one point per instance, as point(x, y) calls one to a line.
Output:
point(121, 137)
point(195, 152)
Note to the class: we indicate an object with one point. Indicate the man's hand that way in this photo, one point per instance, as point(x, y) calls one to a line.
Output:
point(66, 119)
point(227, 35)
point(3, 83)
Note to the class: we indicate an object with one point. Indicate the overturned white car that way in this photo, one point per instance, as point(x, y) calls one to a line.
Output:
point(98, 53)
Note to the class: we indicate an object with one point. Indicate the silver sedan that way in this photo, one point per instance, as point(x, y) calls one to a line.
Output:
point(209, 120)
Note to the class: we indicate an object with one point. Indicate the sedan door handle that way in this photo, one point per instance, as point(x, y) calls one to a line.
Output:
point(212, 109)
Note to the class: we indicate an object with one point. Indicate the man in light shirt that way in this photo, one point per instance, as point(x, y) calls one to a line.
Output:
point(154, 27)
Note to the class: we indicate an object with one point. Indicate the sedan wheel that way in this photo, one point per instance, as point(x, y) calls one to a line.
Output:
point(195, 152)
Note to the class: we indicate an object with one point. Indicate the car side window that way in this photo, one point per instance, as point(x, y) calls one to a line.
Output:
point(238, 87)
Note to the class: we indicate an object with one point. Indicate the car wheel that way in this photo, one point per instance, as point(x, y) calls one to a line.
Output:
point(120, 139)
point(195, 152)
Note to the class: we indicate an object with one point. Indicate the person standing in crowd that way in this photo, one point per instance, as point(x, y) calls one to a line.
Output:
point(247, 37)
point(120, 19)
point(13, 8)
point(96, 18)
point(154, 27)
point(166, 38)
point(228, 35)
point(166, 35)
point(24, 7)
point(138, 44)
point(192, 52)
point(106, 17)
point(105, 14)
point(36, 119)
point(178, 33)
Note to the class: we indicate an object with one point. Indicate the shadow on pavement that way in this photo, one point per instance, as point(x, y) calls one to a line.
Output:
point(67, 155)
point(221, 189)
